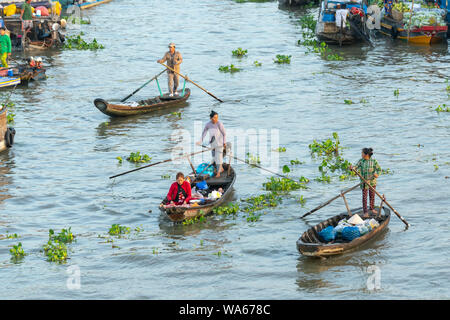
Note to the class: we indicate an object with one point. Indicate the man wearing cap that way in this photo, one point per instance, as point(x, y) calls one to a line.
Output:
point(174, 59)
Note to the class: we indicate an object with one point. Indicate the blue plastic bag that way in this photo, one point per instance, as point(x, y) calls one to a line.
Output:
point(328, 234)
point(350, 233)
point(201, 169)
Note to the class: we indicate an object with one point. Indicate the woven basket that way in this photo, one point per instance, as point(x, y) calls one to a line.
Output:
point(397, 15)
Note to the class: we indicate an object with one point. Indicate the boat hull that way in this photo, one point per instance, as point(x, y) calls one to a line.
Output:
point(426, 35)
point(309, 244)
point(179, 214)
point(116, 110)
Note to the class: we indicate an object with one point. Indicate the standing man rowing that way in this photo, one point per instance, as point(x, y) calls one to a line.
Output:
point(174, 59)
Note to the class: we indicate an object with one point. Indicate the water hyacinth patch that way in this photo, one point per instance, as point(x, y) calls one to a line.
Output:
point(326, 148)
point(65, 236)
point(284, 184)
point(239, 52)
point(55, 251)
point(282, 59)
point(117, 230)
point(230, 209)
point(136, 157)
point(76, 42)
point(17, 251)
point(229, 69)
point(257, 64)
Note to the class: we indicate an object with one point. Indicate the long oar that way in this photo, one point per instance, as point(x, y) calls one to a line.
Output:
point(331, 200)
point(187, 79)
point(255, 165)
point(154, 164)
point(127, 97)
point(382, 198)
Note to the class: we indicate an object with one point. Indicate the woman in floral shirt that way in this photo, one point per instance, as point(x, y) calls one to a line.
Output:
point(369, 170)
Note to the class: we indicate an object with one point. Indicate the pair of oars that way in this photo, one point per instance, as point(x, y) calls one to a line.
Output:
point(171, 69)
point(352, 188)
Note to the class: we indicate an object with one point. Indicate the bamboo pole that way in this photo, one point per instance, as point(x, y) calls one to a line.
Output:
point(186, 78)
point(410, 18)
point(154, 164)
point(346, 205)
point(331, 200)
point(381, 197)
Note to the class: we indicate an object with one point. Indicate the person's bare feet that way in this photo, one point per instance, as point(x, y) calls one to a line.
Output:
point(374, 211)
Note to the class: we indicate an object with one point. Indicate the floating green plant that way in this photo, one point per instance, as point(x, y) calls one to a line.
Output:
point(301, 200)
point(12, 236)
point(176, 114)
point(284, 184)
point(65, 236)
point(282, 59)
point(136, 157)
point(257, 63)
point(281, 149)
point(76, 42)
point(229, 69)
point(17, 251)
point(10, 117)
point(348, 101)
point(251, 159)
point(230, 209)
point(239, 52)
point(55, 251)
point(117, 230)
point(442, 108)
point(326, 148)
point(165, 176)
point(296, 162)
point(396, 92)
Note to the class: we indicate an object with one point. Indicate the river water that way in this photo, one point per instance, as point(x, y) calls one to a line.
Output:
point(56, 174)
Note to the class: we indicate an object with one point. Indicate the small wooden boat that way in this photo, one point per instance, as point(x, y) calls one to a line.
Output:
point(25, 73)
point(89, 4)
point(225, 181)
point(9, 81)
point(424, 35)
point(310, 245)
point(327, 30)
point(143, 106)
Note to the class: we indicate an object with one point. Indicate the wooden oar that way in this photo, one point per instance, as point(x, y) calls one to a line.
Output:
point(331, 200)
point(410, 18)
point(382, 198)
point(154, 164)
point(187, 79)
point(127, 97)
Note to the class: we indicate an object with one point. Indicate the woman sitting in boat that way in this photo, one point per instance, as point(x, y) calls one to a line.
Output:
point(179, 192)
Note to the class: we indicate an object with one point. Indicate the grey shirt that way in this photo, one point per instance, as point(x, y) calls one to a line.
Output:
point(216, 130)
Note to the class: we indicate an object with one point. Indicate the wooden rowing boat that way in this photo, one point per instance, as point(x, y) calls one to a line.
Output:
point(144, 106)
point(310, 245)
point(424, 35)
point(89, 4)
point(225, 181)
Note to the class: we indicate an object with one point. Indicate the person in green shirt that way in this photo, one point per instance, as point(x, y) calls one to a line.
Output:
point(369, 169)
point(27, 17)
point(5, 47)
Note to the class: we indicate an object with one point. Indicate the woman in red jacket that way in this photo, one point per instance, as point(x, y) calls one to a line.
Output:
point(180, 191)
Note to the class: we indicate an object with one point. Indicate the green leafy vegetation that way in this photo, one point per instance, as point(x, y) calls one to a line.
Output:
point(175, 114)
point(281, 149)
point(282, 59)
point(284, 184)
point(229, 69)
point(165, 176)
point(251, 159)
point(65, 236)
point(17, 252)
point(77, 43)
point(137, 157)
point(296, 162)
point(239, 52)
point(442, 108)
point(348, 101)
point(10, 117)
point(118, 230)
point(396, 92)
point(326, 148)
point(257, 64)
point(76, 20)
point(55, 251)
point(229, 209)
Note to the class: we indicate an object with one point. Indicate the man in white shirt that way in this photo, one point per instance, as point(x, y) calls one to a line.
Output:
point(341, 15)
